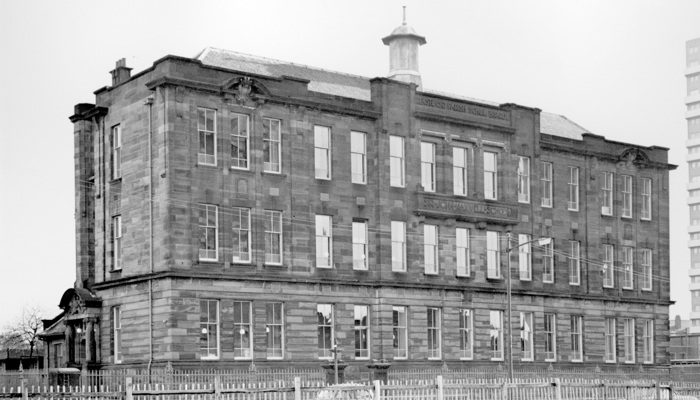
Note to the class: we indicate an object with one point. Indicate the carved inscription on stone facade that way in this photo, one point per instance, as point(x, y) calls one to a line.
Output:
point(445, 207)
point(468, 109)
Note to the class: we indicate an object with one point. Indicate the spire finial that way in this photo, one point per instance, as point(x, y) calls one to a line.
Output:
point(404, 15)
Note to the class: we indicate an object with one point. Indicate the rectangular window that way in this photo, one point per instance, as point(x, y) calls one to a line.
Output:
point(208, 232)
point(272, 145)
point(576, 338)
point(490, 175)
point(627, 196)
point(524, 257)
point(273, 237)
point(550, 337)
point(116, 152)
point(58, 355)
point(608, 266)
point(547, 184)
point(361, 332)
point(206, 125)
point(493, 255)
point(610, 340)
point(358, 156)
point(646, 198)
point(607, 208)
point(324, 241)
point(430, 248)
point(526, 336)
point(359, 245)
point(648, 339)
point(209, 328)
point(398, 246)
point(117, 321)
point(646, 269)
point(242, 338)
point(427, 166)
point(459, 171)
point(573, 189)
point(434, 325)
point(496, 333)
point(462, 249)
point(524, 179)
point(322, 151)
point(117, 242)
point(396, 161)
point(326, 334)
point(628, 268)
point(629, 340)
point(466, 334)
point(548, 262)
point(400, 332)
point(241, 234)
point(239, 141)
point(574, 264)
point(274, 328)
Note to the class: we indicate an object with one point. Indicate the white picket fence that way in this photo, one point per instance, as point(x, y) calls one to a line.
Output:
point(437, 389)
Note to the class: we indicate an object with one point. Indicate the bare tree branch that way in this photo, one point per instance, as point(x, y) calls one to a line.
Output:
point(23, 333)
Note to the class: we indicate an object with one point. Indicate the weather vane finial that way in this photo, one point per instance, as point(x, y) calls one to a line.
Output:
point(404, 15)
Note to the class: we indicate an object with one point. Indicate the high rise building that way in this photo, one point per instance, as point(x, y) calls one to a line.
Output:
point(233, 209)
point(692, 115)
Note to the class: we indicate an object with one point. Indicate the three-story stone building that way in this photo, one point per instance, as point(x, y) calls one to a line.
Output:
point(233, 209)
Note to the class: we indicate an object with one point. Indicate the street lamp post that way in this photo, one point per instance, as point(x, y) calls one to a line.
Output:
point(509, 299)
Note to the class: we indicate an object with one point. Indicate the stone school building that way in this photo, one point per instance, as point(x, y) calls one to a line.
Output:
point(234, 210)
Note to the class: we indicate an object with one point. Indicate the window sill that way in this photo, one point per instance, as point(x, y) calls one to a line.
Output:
point(608, 287)
point(242, 263)
point(206, 165)
point(430, 273)
point(497, 359)
point(398, 271)
point(574, 284)
point(523, 202)
point(625, 217)
point(546, 206)
point(627, 288)
point(550, 360)
point(607, 215)
point(273, 265)
point(115, 180)
point(647, 290)
point(572, 210)
point(359, 183)
point(466, 358)
point(548, 282)
point(360, 269)
point(275, 358)
point(434, 358)
point(646, 220)
point(115, 271)
point(494, 278)
point(272, 173)
point(464, 276)
point(209, 358)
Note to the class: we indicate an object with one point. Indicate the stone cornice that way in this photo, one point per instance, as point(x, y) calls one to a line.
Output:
point(320, 105)
point(585, 151)
point(472, 287)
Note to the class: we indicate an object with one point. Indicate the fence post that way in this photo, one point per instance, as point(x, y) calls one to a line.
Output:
point(217, 387)
point(377, 390)
point(504, 390)
point(23, 384)
point(557, 388)
point(657, 389)
point(440, 391)
point(297, 388)
point(670, 391)
point(129, 389)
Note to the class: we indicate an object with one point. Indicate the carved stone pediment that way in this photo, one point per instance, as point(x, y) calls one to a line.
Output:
point(246, 92)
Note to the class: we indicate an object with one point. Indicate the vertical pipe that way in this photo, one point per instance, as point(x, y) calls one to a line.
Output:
point(149, 103)
point(509, 341)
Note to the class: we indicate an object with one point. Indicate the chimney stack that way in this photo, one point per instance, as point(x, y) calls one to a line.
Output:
point(121, 73)
point(403, 53)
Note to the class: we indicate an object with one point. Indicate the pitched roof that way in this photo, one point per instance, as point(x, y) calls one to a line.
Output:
point(321, 80)
point(351, 86)
point(559, 125)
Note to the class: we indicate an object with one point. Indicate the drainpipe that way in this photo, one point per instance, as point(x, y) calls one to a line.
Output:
point(149, 103)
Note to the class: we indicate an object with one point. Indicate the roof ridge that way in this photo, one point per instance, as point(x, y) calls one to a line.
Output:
point(208, 49)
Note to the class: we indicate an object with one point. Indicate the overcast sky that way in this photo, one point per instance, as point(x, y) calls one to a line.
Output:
point(615, 67)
